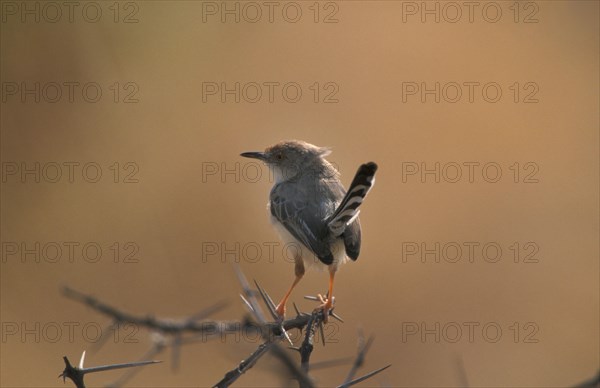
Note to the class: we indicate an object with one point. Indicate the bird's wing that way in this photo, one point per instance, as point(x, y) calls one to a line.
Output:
point(304, 219)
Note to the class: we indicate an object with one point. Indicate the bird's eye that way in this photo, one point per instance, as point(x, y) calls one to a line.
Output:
point(279, 156)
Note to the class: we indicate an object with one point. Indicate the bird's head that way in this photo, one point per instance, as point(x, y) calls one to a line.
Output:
point(288, 159)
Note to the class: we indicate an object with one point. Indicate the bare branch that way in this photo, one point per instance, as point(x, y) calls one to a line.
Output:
point(363, 348)
point(76, 374)
point(160, 343)
point(462, 372)
point(363, 378)
point(167, 326)
point(296, 373)
point(234, 374)
point(156, 349)
point(195, 328)
point(307, 344)
point(594, 382)
point(275, 328)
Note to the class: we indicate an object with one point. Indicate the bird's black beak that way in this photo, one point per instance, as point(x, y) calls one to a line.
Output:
point(254, 155)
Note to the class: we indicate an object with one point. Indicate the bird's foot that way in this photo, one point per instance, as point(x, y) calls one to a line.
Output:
point(280, 310)
point(326, 305)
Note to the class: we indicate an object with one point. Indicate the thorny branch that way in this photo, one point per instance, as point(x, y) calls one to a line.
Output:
point(169, 333)
point(249, 297)
point(189, 325)
point(246, 364)
point(166, 326)
point(196, 327)
point(306, 349)
point(76, 374)
point(363, 348)
point(308, 322)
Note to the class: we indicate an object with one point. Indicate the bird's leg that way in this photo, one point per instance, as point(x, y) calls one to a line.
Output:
point(280, 309)
point(299, 271)
point(327, 303)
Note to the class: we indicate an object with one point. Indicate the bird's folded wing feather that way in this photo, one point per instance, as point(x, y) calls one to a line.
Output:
point(304, 220)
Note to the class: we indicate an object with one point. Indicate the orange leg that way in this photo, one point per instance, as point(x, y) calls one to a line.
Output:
point(327, 304)
point(299, 270)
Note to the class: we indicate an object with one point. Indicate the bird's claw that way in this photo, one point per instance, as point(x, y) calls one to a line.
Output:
point(326, 306)
point(280, 310)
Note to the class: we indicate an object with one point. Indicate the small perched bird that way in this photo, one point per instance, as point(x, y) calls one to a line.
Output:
point(309, 207)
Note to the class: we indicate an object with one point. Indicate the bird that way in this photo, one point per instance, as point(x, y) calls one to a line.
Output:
point(309, 207)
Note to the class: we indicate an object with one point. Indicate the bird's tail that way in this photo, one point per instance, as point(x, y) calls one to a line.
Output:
point(348, 210)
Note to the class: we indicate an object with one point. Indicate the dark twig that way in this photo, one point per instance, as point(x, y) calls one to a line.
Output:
point(156, 349)
point(104, 336)
point(272, 331)
point(462, 372)
point(363, 378)
point(234, 374)
point(76, 374)
point(307, 344)
point(167, 326)
point(296, 373)
point(322, 332)
point(160, 344)
point(195, 328)
point(594, 382)
point(173, 327)
point(363, 348)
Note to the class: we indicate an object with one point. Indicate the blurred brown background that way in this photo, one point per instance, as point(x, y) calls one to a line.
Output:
point(157, 55)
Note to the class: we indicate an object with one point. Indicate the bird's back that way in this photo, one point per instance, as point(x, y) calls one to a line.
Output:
point(303, 206)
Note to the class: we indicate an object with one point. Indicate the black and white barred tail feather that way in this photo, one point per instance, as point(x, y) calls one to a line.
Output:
point(347, 211)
